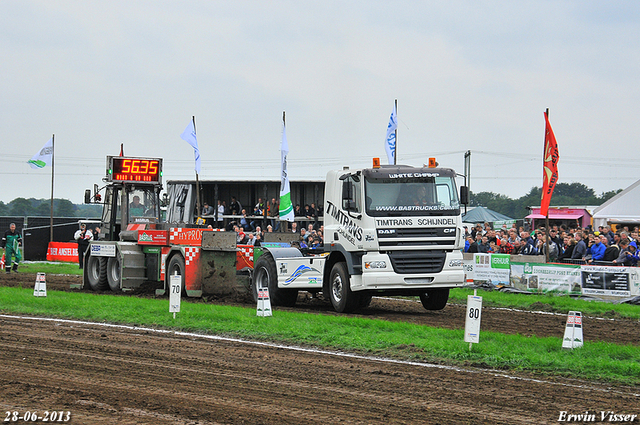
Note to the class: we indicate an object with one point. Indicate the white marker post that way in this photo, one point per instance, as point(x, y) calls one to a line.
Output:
point(40, 289)
point(175, 289)
point(472, 322)
point(573, 331)
point(264, 303)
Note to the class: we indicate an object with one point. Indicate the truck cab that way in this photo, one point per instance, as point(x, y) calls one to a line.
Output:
point(389, 230)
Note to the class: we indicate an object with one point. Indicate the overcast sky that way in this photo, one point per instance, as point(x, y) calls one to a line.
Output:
point(468, 75)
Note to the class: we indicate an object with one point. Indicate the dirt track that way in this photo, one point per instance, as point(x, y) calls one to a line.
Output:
point(117, 375)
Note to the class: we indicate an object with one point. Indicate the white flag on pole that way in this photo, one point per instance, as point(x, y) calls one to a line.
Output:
point(390, 141)
point(286, 208)
point(189, 136)
point(44, 157)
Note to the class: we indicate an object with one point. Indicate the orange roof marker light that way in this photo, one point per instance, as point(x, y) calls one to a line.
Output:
point(376, 162)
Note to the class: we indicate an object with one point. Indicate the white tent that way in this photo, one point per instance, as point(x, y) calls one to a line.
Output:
point(622, 208)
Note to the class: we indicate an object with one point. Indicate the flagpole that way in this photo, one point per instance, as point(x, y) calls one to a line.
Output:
point(52, 161)
point(395, 157)
point(284, 225)
point(197, 180)
point(546, 221)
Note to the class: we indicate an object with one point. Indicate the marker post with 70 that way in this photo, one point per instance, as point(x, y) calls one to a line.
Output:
point(472, 322)
point(175, 290)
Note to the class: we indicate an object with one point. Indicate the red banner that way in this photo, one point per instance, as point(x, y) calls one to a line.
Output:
point(550, 170)
point(62, 251)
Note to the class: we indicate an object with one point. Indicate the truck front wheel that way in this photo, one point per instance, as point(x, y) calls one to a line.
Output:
point(435, 299)
point(343, 299)
point(96, 272)
point(265, 276)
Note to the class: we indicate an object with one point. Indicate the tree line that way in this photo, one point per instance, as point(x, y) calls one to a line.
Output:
point(32, 207)
point(564, 194)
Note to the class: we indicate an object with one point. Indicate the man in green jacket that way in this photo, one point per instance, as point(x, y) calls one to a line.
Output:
point(11, 242)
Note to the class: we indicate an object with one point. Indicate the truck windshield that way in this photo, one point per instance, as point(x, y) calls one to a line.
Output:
point(411, 196)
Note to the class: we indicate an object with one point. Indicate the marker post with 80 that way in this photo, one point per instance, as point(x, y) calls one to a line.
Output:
point(472, 322)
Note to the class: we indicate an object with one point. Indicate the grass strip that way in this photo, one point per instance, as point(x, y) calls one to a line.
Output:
point(595, 361)
point(551, 302)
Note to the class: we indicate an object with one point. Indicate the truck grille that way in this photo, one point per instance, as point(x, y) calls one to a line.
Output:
point(427, 238)
point(407, 262)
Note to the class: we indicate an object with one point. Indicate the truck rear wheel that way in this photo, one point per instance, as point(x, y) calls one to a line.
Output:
point(342, 298)
point(435, 299)
point(265, 276)
point(96, 272)
point(176, 265)
point(113, 274)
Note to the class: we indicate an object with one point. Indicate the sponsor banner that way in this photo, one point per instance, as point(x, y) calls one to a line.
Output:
point(540, 277)
point(180, 236)
point(493, 268)
point(153, 237)
point(103, 250)
point(603, 280)
point(63, 251)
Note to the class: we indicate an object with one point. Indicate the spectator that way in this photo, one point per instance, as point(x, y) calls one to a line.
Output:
point(631, 258)
point(505, 247)
point(624, 251)
point(221, 212)
point(598, 248)
point(241, 237)
point(244, 221)
point(251, 239)
point(611, 252)
point(567, 248)
point(294, 227)
point(235, 208)
point(274, 214)
point(551, 247)
point(473, 247)
point(207, 210)
point(83, 236)
point(484, 246)
point(580, 249)
point(527, 247)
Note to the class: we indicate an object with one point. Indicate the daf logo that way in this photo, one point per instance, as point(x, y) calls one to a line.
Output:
point(386, 231)
point(449, 230)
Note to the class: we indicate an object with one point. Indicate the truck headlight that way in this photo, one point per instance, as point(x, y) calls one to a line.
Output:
point(455, 263)
point(375, 265)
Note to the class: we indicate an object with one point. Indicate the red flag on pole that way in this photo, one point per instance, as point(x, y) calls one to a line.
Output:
point(550, 169)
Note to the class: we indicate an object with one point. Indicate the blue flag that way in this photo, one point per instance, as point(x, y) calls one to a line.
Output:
point(189, 136)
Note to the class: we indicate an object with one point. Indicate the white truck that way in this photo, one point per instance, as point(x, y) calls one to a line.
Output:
point(388, 230)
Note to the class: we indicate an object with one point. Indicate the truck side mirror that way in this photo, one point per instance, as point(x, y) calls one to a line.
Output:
point(87, 196)
point(347, 195)
point(464, 195)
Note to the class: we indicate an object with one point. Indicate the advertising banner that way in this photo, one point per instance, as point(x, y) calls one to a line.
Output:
point(493, 268)
point(63, 251)
point(540, 277)
point(609, 281)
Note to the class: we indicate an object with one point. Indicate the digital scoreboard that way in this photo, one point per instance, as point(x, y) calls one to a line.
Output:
point(134, 170)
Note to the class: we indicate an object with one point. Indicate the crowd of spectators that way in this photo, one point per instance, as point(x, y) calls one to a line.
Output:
point(566, 244)
point(307, 231)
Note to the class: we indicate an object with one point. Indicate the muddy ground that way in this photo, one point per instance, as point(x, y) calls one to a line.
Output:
point(133, 376)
